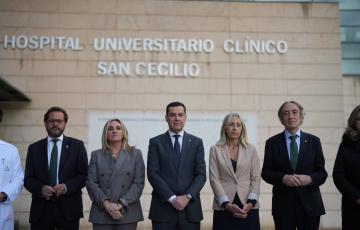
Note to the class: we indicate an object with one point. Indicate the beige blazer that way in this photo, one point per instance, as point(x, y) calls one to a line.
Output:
point(225, 183)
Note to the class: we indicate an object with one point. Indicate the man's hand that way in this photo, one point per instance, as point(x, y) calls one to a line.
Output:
point(180, 202)
point(291, 180)
point(304, 179)
point(47, 192)
point(59, 189)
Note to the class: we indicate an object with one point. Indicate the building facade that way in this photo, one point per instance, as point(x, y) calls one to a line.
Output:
point(130, 58)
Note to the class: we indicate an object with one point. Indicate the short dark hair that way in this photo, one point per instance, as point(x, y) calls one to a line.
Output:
point(56, 109)
point(301, 109)
point(175, 104)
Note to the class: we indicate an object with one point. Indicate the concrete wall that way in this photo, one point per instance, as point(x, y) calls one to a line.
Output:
point(308, 73)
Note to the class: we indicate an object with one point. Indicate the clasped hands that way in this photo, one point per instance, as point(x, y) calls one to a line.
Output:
point(238, 212)
point(48, 191)
point(295, 180)
point(113, 209)
point(180, 202)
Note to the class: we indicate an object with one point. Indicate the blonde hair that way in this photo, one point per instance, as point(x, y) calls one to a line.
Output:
point(243, 140)
point(125, 141)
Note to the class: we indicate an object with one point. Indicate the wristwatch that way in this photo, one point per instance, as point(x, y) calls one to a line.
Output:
point(188, 196)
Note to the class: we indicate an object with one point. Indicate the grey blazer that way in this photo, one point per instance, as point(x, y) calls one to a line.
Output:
point(123, 183)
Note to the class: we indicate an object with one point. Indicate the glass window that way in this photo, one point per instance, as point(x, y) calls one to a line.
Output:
point(349, 4)
point(350, 18)
point(350, 67)
point(350, 34)
point(350, 50)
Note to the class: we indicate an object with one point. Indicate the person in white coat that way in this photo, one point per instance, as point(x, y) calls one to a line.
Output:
point(11, 182)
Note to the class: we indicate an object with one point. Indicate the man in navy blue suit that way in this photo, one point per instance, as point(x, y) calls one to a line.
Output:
point(294, 165)
point(55, 172)
point(176, 171)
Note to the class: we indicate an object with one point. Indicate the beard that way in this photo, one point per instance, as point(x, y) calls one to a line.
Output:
point(55, 131)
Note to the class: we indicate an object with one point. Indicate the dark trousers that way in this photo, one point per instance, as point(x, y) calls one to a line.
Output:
point(297, 219)
point(181, 223)
point(52, 218)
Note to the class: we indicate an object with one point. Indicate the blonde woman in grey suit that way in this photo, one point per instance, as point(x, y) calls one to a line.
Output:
point(234, 172)
point(115, 181)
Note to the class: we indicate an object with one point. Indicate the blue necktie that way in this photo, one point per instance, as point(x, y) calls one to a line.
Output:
point(53, 164)
point(293, 151)
point(177, 145)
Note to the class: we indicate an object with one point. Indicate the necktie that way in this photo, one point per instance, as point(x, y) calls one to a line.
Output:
point(53, 164)
point(293, 151)
point(177, 145)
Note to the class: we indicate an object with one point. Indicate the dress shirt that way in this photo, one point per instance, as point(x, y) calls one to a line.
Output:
point(49, 149)
point(288, 140)
point(181, 135)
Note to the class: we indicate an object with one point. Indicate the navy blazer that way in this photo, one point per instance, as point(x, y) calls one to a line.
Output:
point(310, 162)
point(73, 168)
point(169, 177)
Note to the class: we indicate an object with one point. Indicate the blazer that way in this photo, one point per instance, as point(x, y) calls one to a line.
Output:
point(310, 162)
point(122, 183)
point(169, 177)
point(225, 183)
point(73, 168)
point(346, 173)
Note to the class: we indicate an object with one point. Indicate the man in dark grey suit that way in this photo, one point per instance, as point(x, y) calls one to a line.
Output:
point(294, 165)
point(176, 170)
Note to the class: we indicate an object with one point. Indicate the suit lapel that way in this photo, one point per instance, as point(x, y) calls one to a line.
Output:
point(64, 154)
point(283, 149)
point(44, 161)
point(120, 164)
point(169, 149)
point(226, 157)
point(185, 147)
point(303, 150)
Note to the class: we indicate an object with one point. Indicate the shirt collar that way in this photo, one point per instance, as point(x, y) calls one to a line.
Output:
point(59, 138)
point(288, 134)
point(171, 133)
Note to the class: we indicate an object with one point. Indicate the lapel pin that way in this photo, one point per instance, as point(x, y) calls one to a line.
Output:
point(67, 146)
point(305, 140)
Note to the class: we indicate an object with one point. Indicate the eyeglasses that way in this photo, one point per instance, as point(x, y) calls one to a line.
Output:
point(58, 121)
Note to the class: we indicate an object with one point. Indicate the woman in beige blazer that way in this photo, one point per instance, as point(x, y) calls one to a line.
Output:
point(115, 181)
point(234, 172)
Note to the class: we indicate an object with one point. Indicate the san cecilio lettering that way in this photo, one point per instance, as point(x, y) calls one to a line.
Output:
point(147, 45)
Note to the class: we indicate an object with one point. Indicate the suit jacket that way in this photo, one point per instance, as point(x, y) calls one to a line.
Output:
point(169, 177)
point(310, 162)
point(120, 183)
point(73, 168)
point(225, 183)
